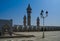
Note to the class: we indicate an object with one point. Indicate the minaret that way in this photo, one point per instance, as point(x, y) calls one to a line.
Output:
point(38, 21)
point(24, 20)
point(29, 15)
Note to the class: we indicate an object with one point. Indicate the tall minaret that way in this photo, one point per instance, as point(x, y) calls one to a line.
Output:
point(24, 20)
point(29, 15)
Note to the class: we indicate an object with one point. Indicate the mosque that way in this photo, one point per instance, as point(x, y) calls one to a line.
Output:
point(27, 22)
point(6, 25)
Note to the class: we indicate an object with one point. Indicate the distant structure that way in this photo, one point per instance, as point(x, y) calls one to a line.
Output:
point(24, 20)
point(38, 23)
point(24, 23)
point(29, 15)
point(5, 26)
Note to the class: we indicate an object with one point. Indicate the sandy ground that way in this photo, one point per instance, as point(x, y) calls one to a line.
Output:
point(49, 36)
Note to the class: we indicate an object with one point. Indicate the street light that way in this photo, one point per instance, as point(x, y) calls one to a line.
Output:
point(43, 16)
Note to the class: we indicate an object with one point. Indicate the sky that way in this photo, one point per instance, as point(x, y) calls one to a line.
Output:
point(16, 9)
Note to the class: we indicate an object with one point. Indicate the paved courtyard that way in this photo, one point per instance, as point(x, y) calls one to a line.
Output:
point(49, 36)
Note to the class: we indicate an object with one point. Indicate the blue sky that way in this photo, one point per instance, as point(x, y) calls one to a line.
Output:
point(16, 9)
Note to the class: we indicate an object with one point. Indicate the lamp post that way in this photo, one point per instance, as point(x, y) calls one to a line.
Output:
point(43, 16)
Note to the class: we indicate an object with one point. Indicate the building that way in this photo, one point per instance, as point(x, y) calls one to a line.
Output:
point(5, 26)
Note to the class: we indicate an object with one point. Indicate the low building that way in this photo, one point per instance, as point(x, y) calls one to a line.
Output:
point(5, 26)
